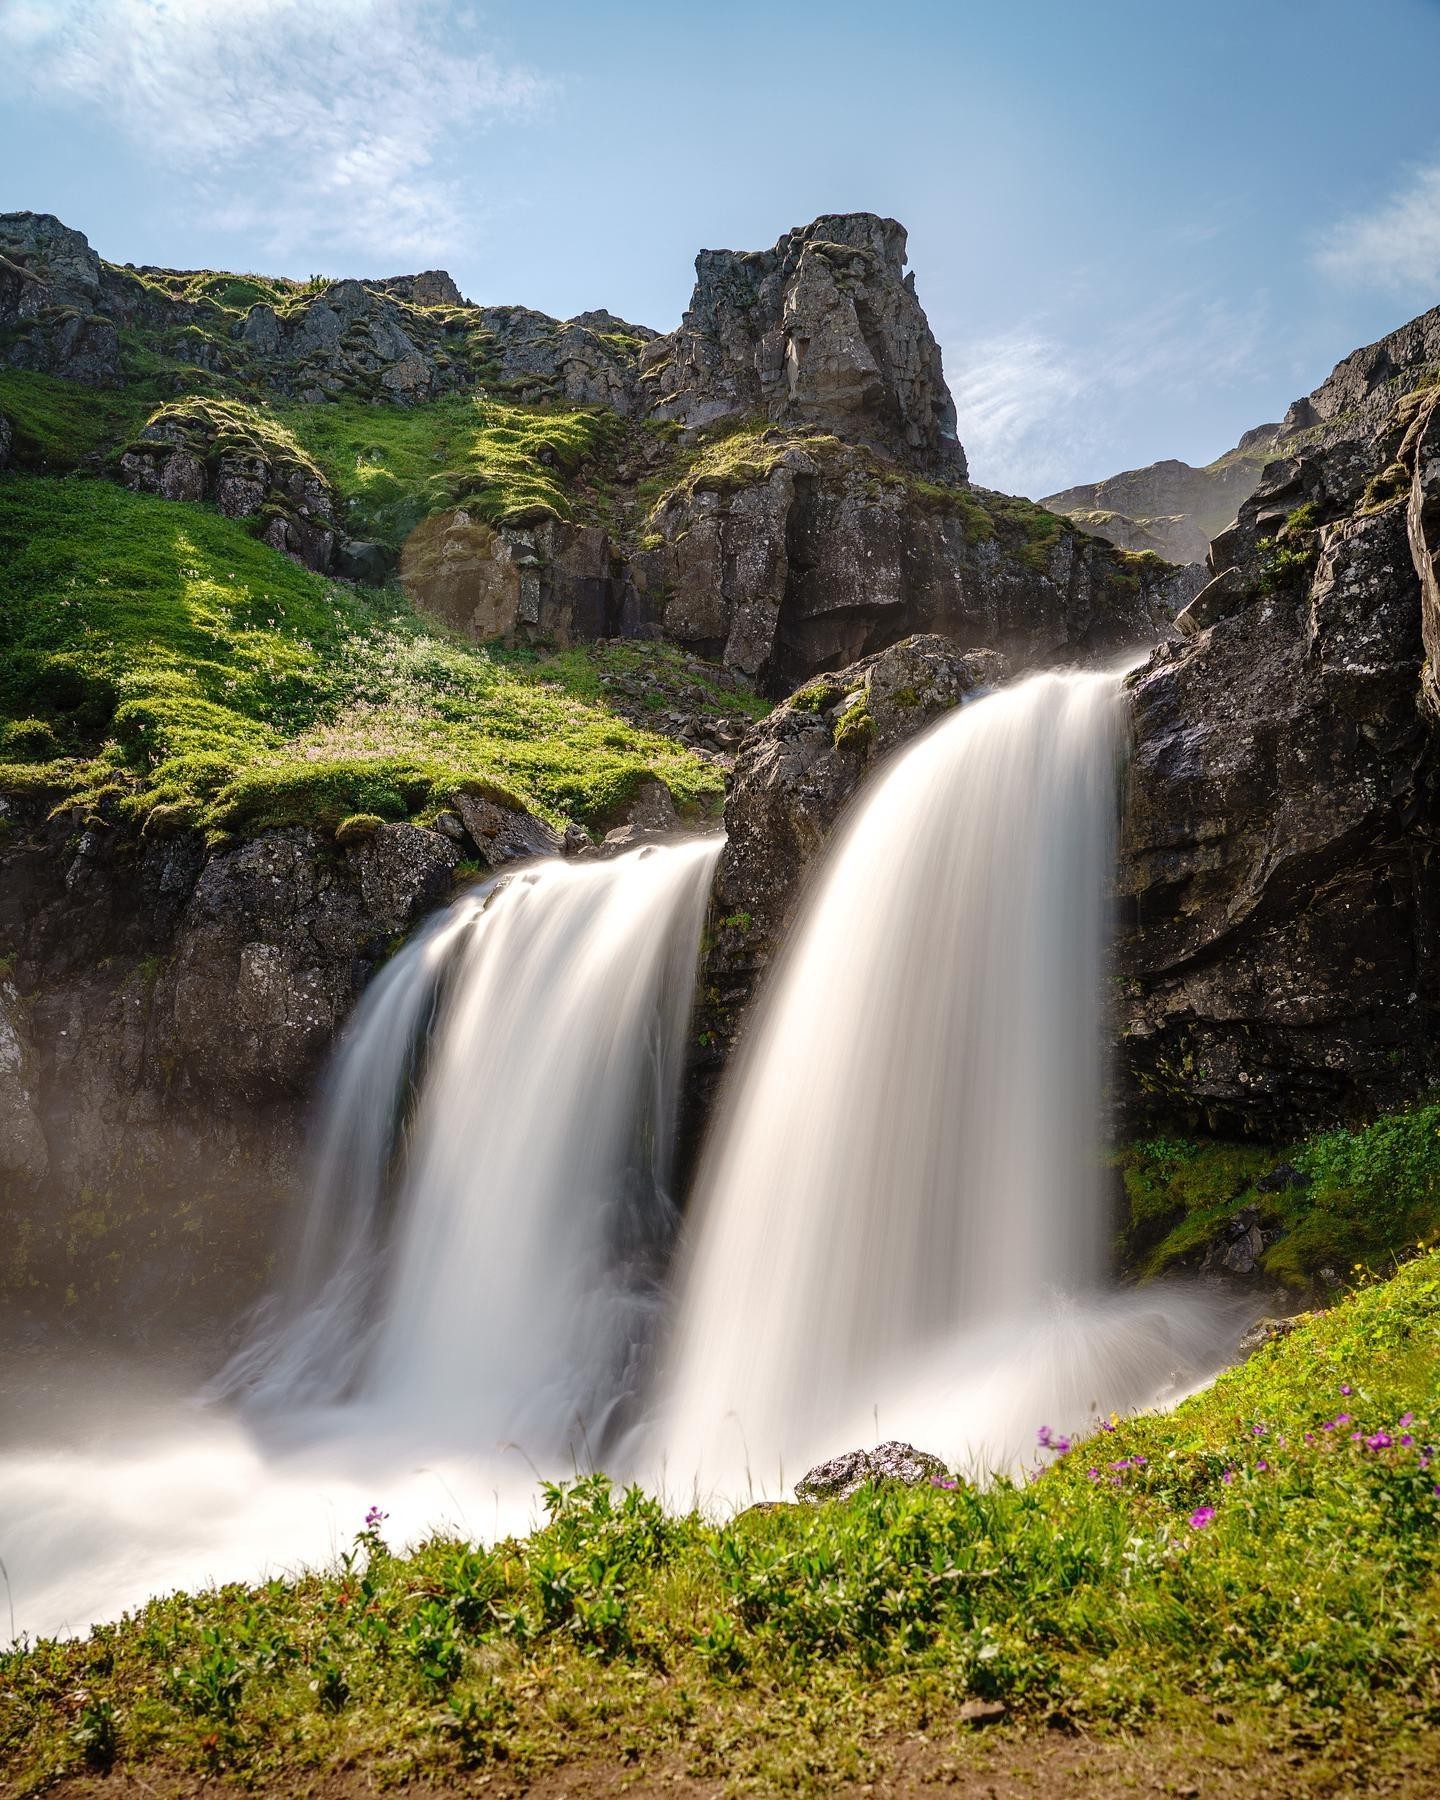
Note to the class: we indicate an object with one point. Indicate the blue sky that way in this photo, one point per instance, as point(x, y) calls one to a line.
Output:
point(1138, 228)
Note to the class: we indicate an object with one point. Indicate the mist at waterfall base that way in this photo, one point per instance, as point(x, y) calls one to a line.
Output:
point(898, 1226)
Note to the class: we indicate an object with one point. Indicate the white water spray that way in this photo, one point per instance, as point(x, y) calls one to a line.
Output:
point(899, 1219)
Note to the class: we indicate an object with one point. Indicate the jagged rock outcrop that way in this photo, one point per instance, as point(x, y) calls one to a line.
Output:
point(51, 312)
point(591, 360)
point(1278, 869)
point(349, 339)
point(795, 774)
point(829, 554)
point(432, 287)
point(208, 450)
point(1176, 509)
point(823, 330)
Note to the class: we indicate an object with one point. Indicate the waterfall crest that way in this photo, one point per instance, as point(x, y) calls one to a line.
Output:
point(489, 1226)
point(909, 1146)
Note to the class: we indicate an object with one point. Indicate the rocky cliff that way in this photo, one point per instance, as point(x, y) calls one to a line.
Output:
point(776, 484)
point(1278, 869)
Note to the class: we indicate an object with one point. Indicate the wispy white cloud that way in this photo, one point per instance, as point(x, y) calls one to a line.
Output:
point(1396, 245)
point(1039, 411)
point(309, 124)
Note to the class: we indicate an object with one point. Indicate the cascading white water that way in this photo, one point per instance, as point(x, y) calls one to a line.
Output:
point(908, 1149)
point(899, 1225)
point(506, 1288)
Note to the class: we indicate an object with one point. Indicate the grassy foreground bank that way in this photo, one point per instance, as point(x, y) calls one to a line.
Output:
point(1263, 1563)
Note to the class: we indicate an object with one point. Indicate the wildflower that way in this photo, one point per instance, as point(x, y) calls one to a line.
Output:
point(1262, 1467)
point(942, 1481)
point(1092, 1474)
point(1043, 1437)
point(374, 1519)
point(1201, 1517)
point(1379, 1440)
point(1228, 1477)
point(1406, 1418)
point(1406, 1440)
point(1257, 1431)
point(1309, 1437)
point(1107, 1424)
point(1345, 1387)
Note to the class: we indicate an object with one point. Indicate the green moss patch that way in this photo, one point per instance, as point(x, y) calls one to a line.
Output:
point(394, 466)
point(60, 425)
point(176, 659)
point(1363, 1196)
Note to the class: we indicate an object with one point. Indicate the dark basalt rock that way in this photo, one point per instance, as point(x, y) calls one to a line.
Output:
point(50, 300)
point(845, 1475)
point(1278, 874)
point(832, 554)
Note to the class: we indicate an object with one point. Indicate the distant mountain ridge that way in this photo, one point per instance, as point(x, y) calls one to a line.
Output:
point(1175, 509)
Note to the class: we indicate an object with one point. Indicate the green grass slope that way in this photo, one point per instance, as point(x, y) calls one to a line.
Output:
point(1266, 1557)
point(161, 652)
point(1355, 1197)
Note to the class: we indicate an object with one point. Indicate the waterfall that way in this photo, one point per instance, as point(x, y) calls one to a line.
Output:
point(907, 1155)
point(491, 1217)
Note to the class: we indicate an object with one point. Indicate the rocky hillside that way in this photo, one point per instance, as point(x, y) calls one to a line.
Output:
point(1175, 510)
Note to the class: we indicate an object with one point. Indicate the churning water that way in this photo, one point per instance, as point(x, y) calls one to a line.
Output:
point(898, 1228)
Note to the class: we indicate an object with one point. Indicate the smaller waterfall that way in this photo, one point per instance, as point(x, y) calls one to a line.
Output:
point(489, 1226)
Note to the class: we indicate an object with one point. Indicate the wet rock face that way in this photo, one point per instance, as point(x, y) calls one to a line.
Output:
point(50, 296)
point(1278, 879)
point(163, 1039)
point(826, 330)
point(795, 774)
point(1419, 458)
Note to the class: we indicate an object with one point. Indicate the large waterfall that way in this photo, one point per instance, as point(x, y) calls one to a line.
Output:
point(898, 1226)
point(491, 1220)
